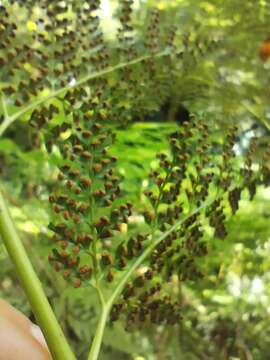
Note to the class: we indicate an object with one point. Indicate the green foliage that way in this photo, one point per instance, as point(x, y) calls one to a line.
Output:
point(152, 235)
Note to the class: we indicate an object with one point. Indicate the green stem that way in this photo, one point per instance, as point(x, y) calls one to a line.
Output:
point(96, 344)
point(39, 303)
point(5, 111)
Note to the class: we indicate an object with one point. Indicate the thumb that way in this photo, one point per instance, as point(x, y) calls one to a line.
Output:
point(19, 337)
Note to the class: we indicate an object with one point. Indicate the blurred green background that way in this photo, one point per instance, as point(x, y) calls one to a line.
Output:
point(225, 314)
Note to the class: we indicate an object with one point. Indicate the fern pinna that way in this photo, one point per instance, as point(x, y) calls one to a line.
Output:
point(74, 87)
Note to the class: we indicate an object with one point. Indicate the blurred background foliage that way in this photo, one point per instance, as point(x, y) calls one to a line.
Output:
point(226, 313)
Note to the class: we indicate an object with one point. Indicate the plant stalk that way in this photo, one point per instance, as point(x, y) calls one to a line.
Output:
point(51, 329)
point(96, 344)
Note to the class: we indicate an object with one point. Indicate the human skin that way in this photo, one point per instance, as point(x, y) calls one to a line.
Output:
point(20, 339)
